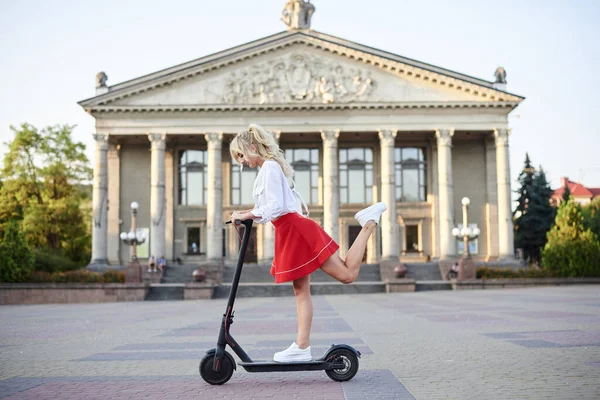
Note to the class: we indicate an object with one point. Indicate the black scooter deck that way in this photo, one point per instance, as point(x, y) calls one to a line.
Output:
point(272, 366)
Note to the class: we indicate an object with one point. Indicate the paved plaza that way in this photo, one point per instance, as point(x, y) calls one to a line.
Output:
point(541, 343)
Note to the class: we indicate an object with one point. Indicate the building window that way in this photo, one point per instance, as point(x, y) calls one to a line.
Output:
point(192, 177)
point(193, 240)
point(410, 171)
point(356, 175)
point(242, 183)
point(306, 166)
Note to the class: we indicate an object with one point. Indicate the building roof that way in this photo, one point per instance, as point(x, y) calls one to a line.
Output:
point(484, 93)
point(576, 189)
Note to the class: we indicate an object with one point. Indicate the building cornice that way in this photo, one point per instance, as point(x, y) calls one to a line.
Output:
point(296, 107)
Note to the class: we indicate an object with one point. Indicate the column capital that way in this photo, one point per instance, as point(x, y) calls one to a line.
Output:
point(158, 140)
point(213, 137)
point(101, 140)
point(329, 135)
point(387, 134)
point(501, 136)
point(444, 136)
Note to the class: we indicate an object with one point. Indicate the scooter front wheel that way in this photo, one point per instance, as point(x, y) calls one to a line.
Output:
point(216, 377)
point(350, 361)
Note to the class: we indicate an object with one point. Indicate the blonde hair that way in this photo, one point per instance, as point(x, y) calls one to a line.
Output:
point(265, 144)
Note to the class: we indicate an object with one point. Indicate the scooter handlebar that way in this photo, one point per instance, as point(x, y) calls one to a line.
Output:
point(239, 221)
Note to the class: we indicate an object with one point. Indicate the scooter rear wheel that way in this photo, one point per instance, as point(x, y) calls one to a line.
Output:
point(350, 361)
point(214, 377)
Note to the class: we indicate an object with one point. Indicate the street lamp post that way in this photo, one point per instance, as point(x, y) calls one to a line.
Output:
point(132, 238)
point(466, 234)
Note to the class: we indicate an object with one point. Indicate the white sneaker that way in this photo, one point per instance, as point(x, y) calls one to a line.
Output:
point(293, 354)
point(371, 213)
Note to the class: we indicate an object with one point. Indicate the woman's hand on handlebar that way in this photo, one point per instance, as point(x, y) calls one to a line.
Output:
point(241, 216)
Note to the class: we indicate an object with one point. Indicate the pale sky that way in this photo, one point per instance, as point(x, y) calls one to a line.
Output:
point(51, 51)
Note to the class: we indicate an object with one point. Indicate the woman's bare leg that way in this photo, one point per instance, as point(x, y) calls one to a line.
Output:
point(304, 308)
point(347, 271)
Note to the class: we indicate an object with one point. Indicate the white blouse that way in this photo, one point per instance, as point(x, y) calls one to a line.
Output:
point(273, 196)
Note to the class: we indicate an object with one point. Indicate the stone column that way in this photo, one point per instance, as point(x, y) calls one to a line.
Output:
point(157, 195)
point(389, 226)
point(100, 205)
point(331, 187)
point(214, 205)
point(446, 192)
point(114, 198)
point(491, 208)
point(505, 226)
point(169, 204)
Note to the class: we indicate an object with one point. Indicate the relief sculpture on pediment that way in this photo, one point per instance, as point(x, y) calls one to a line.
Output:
point(298, 78)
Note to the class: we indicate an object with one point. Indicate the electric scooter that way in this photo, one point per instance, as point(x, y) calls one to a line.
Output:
point(340, 362)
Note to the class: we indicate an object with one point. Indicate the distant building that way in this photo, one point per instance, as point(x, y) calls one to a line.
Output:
point(581, 194)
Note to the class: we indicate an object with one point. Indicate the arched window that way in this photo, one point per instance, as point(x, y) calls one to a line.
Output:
point(356, 175)
point(242, 183)
point(411, 183)
point(192, 177)
point(306, 166)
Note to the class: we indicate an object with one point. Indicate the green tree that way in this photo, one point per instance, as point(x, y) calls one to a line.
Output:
point(42, 176)
point(567, 193)
point(526, 186)
point(534, 214)
point(572, 248)
point(16, 258)
point(591, 215)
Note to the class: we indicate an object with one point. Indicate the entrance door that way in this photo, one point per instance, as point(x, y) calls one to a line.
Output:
point(353, 232)
point(251, 251)
point(412, 238)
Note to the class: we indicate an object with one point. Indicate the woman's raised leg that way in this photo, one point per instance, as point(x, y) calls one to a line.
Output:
point(347, 271)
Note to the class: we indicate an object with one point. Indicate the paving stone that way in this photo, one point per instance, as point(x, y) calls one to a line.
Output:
point(531, 343)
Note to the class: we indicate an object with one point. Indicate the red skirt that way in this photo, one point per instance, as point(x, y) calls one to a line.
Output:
point(301, 247)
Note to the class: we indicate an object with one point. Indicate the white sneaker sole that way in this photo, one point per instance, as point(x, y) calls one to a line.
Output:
point(290, 359)
point(375, 211)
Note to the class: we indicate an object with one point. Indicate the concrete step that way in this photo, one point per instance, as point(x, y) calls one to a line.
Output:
point(429, 271)
point(424, 286)
point(261, 273)
point(179, 274)
point(165, 291)
point(263, 289)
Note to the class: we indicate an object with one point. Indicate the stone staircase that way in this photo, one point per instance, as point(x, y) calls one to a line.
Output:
point(256, 281)
point(172, 283)
point(428, 276)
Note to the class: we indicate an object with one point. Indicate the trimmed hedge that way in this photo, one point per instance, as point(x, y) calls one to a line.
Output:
point(78, 276)
point(507, 273)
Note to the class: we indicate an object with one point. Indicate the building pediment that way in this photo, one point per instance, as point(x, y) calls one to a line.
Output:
point(299, 69)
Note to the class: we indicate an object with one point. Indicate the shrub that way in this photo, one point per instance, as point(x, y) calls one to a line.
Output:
point(39, 277)
point(506, 273)
point(572, 248)
point(16, 259)
point(112, 276)
point(78, 276)
point(51, 261)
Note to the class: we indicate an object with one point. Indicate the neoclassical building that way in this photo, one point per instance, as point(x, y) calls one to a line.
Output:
point(358, 124)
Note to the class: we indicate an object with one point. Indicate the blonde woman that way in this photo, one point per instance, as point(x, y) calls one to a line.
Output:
point(301, 245)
